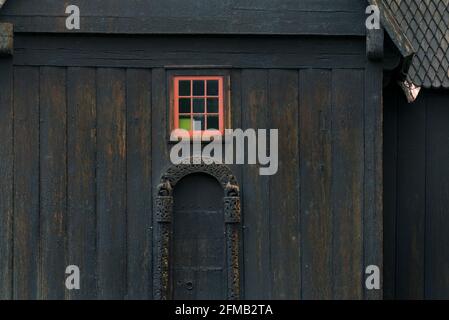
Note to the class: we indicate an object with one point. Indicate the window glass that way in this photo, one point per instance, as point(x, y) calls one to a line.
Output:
point(198, 103)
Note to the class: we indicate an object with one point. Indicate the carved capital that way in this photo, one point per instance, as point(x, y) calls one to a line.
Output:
point(6, 39)
point(232, 209)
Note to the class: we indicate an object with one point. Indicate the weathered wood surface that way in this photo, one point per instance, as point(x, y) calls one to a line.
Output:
point(166, 51)
point(326, 17)
point(284, 219)
point(6, 181)
point(373, 173)
point(53, 181)
point(26, 281)
point(81, 173)
point(256, 193)
point(315, 178)
point(139, 187)
point(103, 150)
point(416, 154)
point(347, 183)
point(111, 183)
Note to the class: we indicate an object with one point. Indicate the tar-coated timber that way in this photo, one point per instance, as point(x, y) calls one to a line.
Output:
point(139, 209)
point(171, 51)
point(315, 183)
point(111, 182)
point(256, 203)
point(264, 17)
point(347, 183)
point(91, 167)
point(373, 173)
point(415, 204)
point(53, 181)
point(26, 280)
point(81, 173)
point(284, 218)
point(6, 182)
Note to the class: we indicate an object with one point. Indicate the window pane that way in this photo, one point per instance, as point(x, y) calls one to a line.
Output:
point(212, 123)
point(212, 105)
point(184, 87)
point(212, 87)
point(198, 123)
point(184, 122)
point(198, 88)
point(198, 105)
point(184, 105)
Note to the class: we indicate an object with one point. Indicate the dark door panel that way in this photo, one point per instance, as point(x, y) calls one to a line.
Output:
point(199, 256)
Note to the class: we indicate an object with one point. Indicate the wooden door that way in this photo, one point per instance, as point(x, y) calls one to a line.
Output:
point(199, 252)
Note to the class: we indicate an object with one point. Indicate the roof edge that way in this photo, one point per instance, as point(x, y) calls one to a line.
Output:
point(393, 29)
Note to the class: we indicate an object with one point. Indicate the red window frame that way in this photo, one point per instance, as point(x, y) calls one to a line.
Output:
point(220, 114)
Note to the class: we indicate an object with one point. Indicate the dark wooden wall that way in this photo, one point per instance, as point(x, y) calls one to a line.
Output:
point(85, 145)
point(416, 208)
point(330, 17)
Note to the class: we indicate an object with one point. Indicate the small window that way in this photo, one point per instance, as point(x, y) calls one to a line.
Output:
point(198, 105)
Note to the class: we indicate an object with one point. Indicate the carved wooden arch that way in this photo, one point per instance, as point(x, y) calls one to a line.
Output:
point(164, 214)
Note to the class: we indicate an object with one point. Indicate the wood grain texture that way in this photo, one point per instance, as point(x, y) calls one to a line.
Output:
point(53, 182)
point(26, 183)
point(81, 174)
point(139, 184)
point(111, 183)
point(172, 51)
point(373, 174)
point(315, 177)
point(6, 181)
point(284, 186)
point(327, 17)
point(390, 165)
point(437, 197)
point(256, 195)
point(347, 183)
point(416, 138)
point(411, 196)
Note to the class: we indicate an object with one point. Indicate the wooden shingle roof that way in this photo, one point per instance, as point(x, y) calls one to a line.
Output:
point(425, 23)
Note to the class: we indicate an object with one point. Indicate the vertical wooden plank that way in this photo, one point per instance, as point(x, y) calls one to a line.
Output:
point(390, 190)
point(81, 188)
point(53, 181)
point(373, 175)
point(256, 197)
point(284, 186)
point(316, 171)
point(111, 182)
point(347, 182)
point(139, 199)
point(437, 197)
point(411, 199)
point(6, 174)
point(26, 182)
point(160, 158)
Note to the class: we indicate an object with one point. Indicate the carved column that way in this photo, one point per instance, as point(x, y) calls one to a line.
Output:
point(163, 218)
point(232, 220)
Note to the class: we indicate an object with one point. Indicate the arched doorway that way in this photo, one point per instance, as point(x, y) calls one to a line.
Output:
point(197, 255)
point(198, 268)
